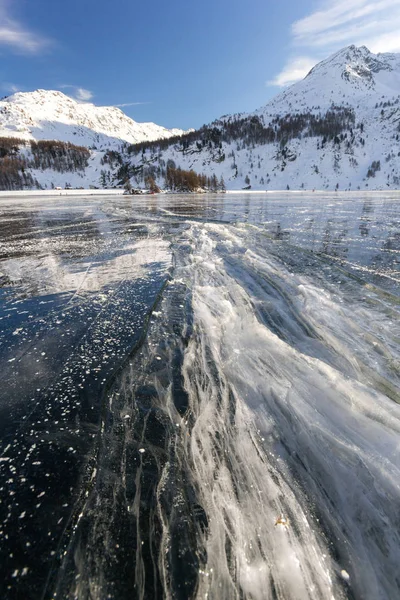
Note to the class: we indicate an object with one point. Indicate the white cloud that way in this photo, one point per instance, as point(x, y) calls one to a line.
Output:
point(18, 37)
point(339, 14)
point(339, 23)
point(293, 71)
point(83, 95)
point(385, 42)
point(79, 93)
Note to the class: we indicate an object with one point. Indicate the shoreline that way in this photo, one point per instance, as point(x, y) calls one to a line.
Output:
point(120, 192)
point(85, 192)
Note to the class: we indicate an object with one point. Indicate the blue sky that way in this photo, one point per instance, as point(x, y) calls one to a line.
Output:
point(180, 63)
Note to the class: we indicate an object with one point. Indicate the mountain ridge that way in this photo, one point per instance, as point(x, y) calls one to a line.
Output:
point(50, 114)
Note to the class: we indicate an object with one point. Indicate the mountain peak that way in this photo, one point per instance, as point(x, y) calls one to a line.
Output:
point(352, 74)
point(353, 61)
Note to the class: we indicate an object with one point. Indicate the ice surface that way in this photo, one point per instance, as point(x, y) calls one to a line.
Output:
point(225, 429)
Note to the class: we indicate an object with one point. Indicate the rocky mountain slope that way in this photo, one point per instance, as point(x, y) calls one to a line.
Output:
point(336, 129)
point(51, 115)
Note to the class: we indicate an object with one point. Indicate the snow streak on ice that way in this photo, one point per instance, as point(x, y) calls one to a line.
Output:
point(287, 424)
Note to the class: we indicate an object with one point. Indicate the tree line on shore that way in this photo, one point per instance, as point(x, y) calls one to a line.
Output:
point(178, 179)
point(63, 157)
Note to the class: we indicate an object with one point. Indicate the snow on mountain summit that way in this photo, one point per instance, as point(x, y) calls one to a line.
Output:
point(49, 114)
point(348, 76)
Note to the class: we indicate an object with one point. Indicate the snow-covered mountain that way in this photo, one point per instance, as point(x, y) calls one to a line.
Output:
point(51, 115)
point(337, 128)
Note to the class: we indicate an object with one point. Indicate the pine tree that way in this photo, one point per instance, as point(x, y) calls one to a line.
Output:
point(103, 181)
point(151, 184)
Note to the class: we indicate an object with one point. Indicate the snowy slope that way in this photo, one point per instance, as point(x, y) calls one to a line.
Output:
point(51, 115)
point(353, 79)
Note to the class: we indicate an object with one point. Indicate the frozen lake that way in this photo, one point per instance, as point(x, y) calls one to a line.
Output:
point(200, 397)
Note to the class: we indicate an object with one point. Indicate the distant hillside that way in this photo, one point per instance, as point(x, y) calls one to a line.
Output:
point(52, 116)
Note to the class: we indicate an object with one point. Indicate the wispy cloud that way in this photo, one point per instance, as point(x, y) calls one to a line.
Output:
point(17, 36)
point(78, 93)
point(350, 22)
point(130, 104)
point(295, 69)
point(339, 23)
